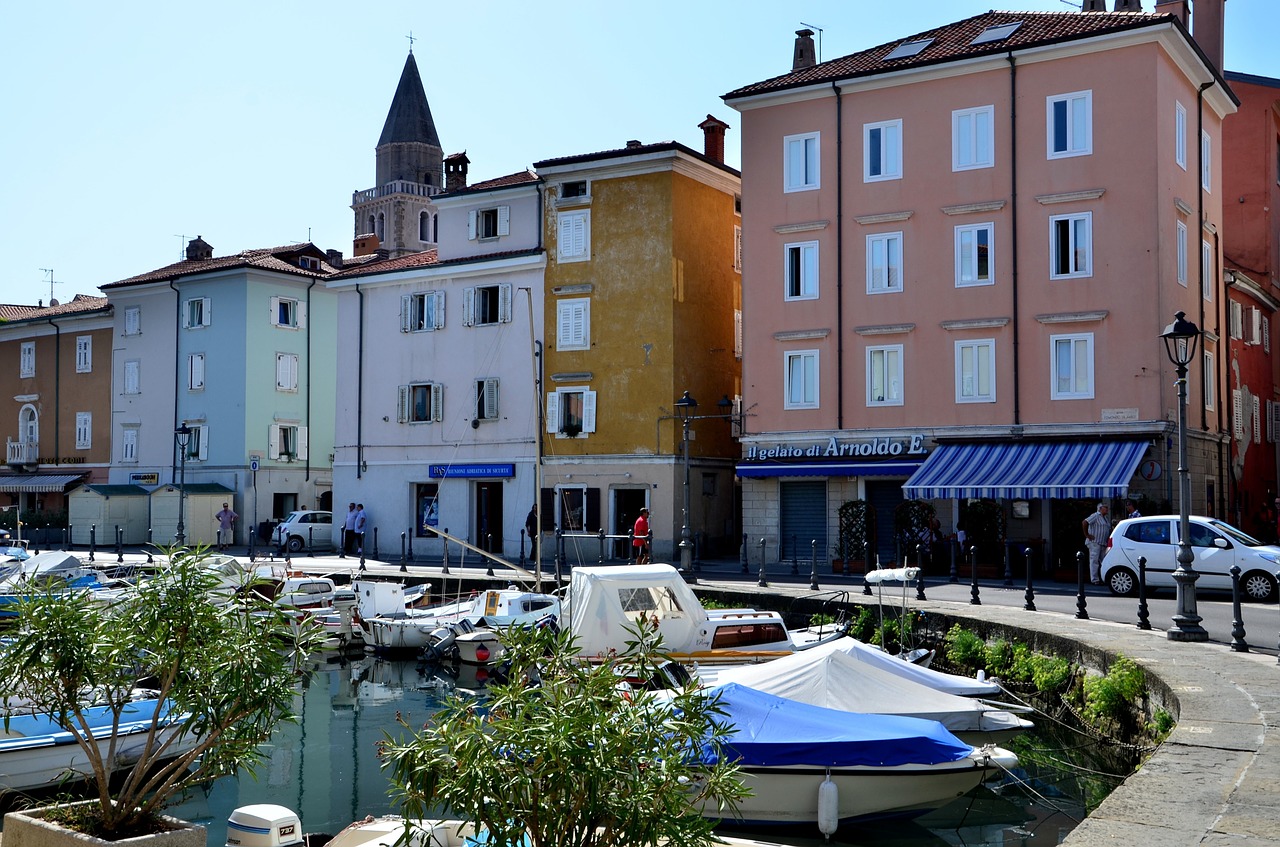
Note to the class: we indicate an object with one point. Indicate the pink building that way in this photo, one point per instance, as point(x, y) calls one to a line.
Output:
point(1251, 256)
point(961, 249)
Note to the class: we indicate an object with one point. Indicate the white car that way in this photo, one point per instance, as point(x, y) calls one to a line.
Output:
point(305, 530)
point(1216, 546)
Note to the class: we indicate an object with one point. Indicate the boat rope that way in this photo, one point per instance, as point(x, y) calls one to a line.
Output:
point(1026, 786)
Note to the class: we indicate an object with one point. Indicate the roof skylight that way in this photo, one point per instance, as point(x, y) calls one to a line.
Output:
point(908, 48)
point(995, 33)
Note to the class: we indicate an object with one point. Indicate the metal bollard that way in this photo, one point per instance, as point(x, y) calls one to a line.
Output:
point(600, 535)
point(1008, 567)
point(762, 582)
point(866, 567)
point(93, 539)
point(795, 564)
point(559, 560)
point(375, 545)
point(1238, 644)
point(974, 599)
point(920, 553)
point(488, 547)
point(1144, 616)
point(955, 545)
point(746, 567)
point(410, 536)
point(813, 567)
point(444, 568)
point(1082, 611)
point(1030, 596)
point(119, 544)
point(311, 541)
point(522, 533)
point(68, 538)
point(402, 540)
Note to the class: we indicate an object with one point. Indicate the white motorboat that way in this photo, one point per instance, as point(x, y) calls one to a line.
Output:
point(829, 677)
point(810, 765)
point(55, 570)
point(389, 626)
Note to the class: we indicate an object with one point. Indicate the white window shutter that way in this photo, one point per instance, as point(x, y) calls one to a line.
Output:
point(737, 333)
point(491, 398)
point(471, 225)
point(737, 248)
point(206, 313)
point(588, 411)
point(1257, 423)
point(273, 441)
point(402, 404)
point(468, 307)
point(437, 311)
point(504, 303)
point(1275, 421)
point(186, 315)
point(202, 432)
point(1237, 320)
point(1237, 414)
point(504, 220)
point(437, 401)
point(132, 320)
point(553, 411)
point(301, 314)
point(274, 316)
point(406, 313)
point(302, 442)
point(131, 377)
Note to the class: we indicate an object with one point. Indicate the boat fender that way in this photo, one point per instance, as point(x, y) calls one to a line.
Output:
point(828, 807)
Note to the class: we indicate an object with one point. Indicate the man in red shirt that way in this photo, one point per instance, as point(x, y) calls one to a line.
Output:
point(641, 539)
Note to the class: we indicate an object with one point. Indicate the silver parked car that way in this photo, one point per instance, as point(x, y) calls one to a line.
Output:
point(305, 530)
point(1216, 545)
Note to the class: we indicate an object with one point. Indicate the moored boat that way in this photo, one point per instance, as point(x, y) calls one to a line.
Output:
point(388, 625)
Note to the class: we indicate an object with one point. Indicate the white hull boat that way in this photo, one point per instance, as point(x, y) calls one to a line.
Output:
point(388, 625)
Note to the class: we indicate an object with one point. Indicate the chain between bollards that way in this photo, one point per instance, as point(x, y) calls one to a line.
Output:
point(1144, 616)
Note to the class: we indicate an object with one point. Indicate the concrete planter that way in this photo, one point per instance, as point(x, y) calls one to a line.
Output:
point(30, 829)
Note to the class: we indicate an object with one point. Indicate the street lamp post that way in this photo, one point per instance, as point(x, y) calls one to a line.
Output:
point(182, 435)
point(1180, 339)
point(685, 407)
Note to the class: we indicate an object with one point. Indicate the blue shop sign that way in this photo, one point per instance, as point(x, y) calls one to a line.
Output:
point(481, 470)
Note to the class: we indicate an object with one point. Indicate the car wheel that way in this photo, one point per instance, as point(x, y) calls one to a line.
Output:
point(295, 543)
point(1258, 586)
point(1122, 582)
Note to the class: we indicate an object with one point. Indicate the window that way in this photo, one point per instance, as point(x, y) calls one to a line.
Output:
point(422, 311)
point(998, 32)
point(1210, 389)
point(737, 248)
point(1072, 377)
point(571, 412)
point(27, 360)
point(198, 443)
point(487, 399)
point(574, 188)
point(884, 375)
point(131, 374)
point(196, 313)
point(737, 334)
point(972, 143)
point(882, 151)
point(1069, 124)
point(286, 372)
point(424, 226)
point(421, 402)
point(1206, 270)
point(1235, 325)
point(973, 255)
point(84, 430)
point(573, 242)
point(489, 223)
point(129, 445)
point(195, 372)
point(800, 170)
point(802, 270)
point(287, 312)
point(573, 324)
point(84, 354)
point(975, 371)
point(133, 320)
point(487, 304)
point(1257, 420)
point(1071, 245)
point(801, 375)
point(1206, 164)
point(287, 442)
point(1182, 254)
point(1237, 413)
point(1180, 135)
point(884, 263)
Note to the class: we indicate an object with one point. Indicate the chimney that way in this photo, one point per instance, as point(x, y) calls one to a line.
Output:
point(198, 250)
point(334, 257)
point(633, 143)
point(1128, 5)
point(713, 138)
point(1094, 6)
point(1208, 23)
point(383, 253)
point(805, 55)
point(1177, 8)
point(455, 171)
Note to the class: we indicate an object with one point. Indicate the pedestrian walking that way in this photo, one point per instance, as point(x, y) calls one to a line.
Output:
point(531, 529)
point(349, 532)
point(226, 526)
point(1097, 529)
point(641, 537)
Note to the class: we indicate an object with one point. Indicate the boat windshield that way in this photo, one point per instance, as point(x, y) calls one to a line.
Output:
point(648, 599)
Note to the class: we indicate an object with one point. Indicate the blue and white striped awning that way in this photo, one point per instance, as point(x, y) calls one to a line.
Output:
point(1027, 470)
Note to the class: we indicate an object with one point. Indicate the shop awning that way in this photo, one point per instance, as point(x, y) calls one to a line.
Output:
point(832, 468)
point(37, 483)
point(1027, 470)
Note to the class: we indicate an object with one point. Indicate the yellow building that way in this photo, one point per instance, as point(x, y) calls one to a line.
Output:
point(643, 299)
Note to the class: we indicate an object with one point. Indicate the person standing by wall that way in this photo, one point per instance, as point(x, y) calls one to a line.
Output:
point(640, 540)
point(362, 521)
point(226, 526)
point(1097, 529)
point(348, 531)
point(531, 529)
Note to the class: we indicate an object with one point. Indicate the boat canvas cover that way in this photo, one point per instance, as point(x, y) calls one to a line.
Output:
point(961, 686)
point(603, 601)
point(769, 731)
point(827, 677)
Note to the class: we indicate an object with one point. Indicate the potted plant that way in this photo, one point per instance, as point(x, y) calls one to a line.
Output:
point(226, 662)
point(853, 536)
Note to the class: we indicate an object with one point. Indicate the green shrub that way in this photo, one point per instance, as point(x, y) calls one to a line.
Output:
point(964, 648)
point(1110, 697)
point(1050, 673)
point(999, 658)
point(821, 619)
point(1161, 724)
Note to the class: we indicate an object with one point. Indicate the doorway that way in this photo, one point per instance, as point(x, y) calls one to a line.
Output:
point(282, 503)
point(488, 517)
point(627, 503)
point(884, 498)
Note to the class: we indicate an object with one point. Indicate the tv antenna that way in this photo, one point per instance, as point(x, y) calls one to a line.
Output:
point(818, 30)
point(51, 281)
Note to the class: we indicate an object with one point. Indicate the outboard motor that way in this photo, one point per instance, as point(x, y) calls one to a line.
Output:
point(263, 825)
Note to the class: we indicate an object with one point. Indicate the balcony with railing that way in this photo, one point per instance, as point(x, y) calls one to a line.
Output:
point(399, 186)
point(22, 452)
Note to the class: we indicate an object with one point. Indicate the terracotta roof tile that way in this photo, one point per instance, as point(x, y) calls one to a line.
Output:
point(634, 150)
point(518, 178)
point(954, 41)
point(80, 304)
point(373, 265)
point(266, 259)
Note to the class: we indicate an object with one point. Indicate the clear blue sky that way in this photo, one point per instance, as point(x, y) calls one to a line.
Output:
point(129, 127)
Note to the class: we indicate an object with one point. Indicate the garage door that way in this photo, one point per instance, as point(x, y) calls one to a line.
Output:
point(803, 519)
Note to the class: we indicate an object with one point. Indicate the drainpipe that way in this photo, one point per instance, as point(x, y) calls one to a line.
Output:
point(57, 387)
point(177, 365)
point(1013, 240)
point(306, 469)
point(839, 259)
point(1223, 471)
point(360, 385)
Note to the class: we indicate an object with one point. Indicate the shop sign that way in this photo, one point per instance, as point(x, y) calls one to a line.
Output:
point(835, 448)
point(474, 470)
point(144, 478)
